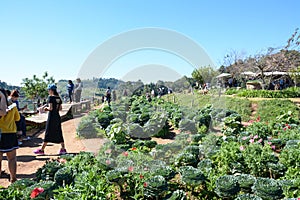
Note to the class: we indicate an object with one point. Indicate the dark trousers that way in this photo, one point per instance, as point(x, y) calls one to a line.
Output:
point(21, 125)
point(70, 93)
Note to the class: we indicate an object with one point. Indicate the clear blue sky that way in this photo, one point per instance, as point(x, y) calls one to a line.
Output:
point(57, 36)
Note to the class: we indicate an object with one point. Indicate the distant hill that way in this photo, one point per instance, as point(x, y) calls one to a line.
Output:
point(8, 87)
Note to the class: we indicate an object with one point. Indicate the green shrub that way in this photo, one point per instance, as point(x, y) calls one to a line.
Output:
point(191, 176)
point(246, 181)
point(155, 187)
point(48, 171)
point(227, 186)
point(186, 159)
point(269, 110)
point(136, 131)
point(48, 187)
point(205, 166)
point(178, 195)
point(257, 159)
point(260, 129)
point(187, 125)
point(268, 189)
point(16, 189)
point(292, 143)
point(248, 197)
point(119, 115)
point(117, 134)
point(21, 184)
point(286, 93)
point(276, 169)
point(291, 188)
point(133, 118)
point(290, 156)
point(232, 91)
point(203, 119)
point(166, 171)
point(82, 162)
point(116, 121)
point(87, 127)
point(228, 158)
point(196, 138)
point(64, 176)
point(232, 125)
point(144, 143)
point(289, 134)
point(192, 149)
point(116, 175)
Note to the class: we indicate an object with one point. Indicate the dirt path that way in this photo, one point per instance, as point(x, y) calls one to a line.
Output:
point(28, 162)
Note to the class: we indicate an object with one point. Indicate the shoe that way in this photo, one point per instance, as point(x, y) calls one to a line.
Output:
point(20, 143)
point(26, 138)
point(62, 152)
point(39, 152)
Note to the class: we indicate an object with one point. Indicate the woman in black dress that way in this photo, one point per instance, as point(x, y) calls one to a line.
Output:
point(53, 131)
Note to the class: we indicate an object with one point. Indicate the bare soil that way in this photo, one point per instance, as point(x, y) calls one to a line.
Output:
point(28, 162)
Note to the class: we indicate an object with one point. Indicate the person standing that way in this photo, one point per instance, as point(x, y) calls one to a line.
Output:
point(53, 131)
point(108, 95)
point(70, 88)
point(78, 90)
point(9, 141)
point(21, 125)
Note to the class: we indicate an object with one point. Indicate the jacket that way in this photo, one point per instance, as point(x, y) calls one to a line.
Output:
point(8, 122)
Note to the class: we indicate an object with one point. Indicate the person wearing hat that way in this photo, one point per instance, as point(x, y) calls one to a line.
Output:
point(53, 131)
point(78, 90)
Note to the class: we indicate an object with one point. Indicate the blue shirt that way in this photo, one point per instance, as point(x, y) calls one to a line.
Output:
point(70, 87)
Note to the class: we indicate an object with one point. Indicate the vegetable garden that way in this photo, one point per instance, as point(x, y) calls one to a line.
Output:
point(257, 161)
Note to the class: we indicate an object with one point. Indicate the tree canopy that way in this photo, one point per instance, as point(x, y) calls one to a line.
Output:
point(36, 87)
point(204, 74)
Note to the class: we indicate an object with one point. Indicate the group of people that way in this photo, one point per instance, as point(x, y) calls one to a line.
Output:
point(74, 91)
point(10, 119)
point(279, 84)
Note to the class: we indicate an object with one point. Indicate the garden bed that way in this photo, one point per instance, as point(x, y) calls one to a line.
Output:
point(257, 161)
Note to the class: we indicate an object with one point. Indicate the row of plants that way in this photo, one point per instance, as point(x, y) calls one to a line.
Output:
point(258, 161)
point(292, 92)
point(137, 118)
point(242, 106)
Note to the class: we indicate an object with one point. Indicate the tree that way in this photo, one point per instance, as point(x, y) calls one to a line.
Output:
point(196, 74)
point(37, 87)
point(234, 62)
point(204, 74)
point(294, 41)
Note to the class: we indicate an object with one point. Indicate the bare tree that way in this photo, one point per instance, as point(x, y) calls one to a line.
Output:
point(234, 62)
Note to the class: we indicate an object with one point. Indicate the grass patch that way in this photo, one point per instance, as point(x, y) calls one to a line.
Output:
point(269, 109)
point(242, 106)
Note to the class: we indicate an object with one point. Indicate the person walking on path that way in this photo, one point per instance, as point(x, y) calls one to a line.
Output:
point(70, 88)
point(53, 131)
point(9, 141)
point(78, 90)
